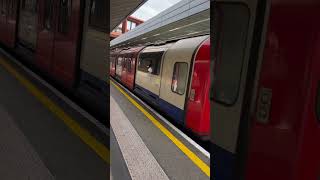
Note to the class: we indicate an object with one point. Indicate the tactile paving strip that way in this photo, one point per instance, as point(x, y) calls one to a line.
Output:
point(140, 161)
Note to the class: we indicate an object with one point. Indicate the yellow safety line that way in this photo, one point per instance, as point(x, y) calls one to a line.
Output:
point(192, 156)
point(82, 133)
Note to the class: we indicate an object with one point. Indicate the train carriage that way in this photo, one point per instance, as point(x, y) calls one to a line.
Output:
point(64, 40)
point(265, 95)
point(173, 77)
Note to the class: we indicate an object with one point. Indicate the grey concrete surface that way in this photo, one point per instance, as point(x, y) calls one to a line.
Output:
point(18, 158)
point(140, 162)
point(61, 151)
point(119, 170)
point(172, 160)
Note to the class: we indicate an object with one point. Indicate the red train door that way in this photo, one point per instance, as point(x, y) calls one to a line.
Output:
point(285, 130)
point(66, 41)
point(58, 39)
point(46, 25)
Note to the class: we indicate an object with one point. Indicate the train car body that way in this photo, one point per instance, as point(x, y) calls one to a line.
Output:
point(269, 128)
point(148, 73)
point(65, 41)
point(173, 77)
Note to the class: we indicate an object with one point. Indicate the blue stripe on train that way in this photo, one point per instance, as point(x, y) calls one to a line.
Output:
point(172, 111)
point(167, 108)
point(223, 163)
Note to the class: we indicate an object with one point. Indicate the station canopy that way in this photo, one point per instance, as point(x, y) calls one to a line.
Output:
point(185, 19)
point(120, 9)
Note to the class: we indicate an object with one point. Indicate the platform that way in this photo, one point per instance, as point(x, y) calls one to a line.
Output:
point(147, 146)
point(42, 137)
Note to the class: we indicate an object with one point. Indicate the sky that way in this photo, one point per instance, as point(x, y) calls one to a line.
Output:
point(153, 7)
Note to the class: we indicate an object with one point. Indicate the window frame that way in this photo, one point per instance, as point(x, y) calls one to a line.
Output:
point(93, 22)
point(218, 58)
point(186, 82)
point(158, 68)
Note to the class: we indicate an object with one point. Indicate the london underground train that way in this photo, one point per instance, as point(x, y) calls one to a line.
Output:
point(65, 41)
point(265, 99)
point(173, 77)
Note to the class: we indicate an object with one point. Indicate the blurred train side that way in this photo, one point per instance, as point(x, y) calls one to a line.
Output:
point(65, 42)
point(265, 99)
point(173, 77)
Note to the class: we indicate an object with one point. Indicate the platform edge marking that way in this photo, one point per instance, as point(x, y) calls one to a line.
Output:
point(186, 137)
point(68, 101)
point(83, 134)
point(192, 156)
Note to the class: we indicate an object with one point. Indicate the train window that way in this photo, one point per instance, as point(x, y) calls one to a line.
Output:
point(64, 15)
point(119, 61)
point(98, 15)
point(179, 78)
point(48, 16)
point(318, 103)
point(232, 23)
point(150, 62)
point(129, 65)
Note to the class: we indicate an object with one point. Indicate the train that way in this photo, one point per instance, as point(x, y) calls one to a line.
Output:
point(64, 41)
point(172, 76)
point(265, 98)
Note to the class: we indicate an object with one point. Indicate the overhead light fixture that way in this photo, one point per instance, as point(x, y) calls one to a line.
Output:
point(174, 29)
point(193, 32)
